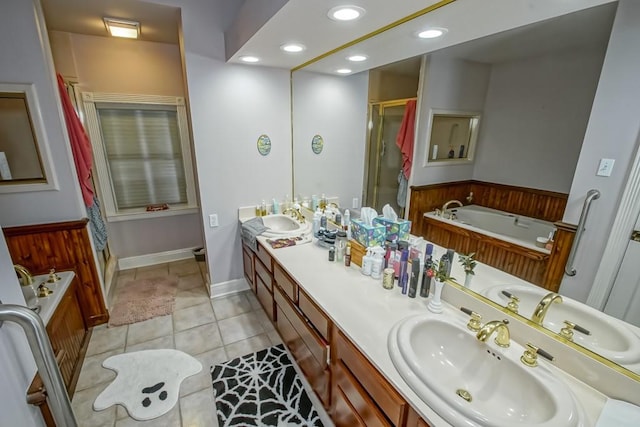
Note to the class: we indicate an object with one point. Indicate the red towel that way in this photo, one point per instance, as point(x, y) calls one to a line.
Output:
point(405, 137)
point(80, 145)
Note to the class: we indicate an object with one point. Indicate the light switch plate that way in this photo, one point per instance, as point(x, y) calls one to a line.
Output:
point(213, 220)
point(605, 167)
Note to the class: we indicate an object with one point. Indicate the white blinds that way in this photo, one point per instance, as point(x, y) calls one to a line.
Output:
point(144, 155)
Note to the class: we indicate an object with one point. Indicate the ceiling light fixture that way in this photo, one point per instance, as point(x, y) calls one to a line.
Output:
point(345, 13)
point(432, 33)
point(357, 58)
point(250, 59)
point(293, 47)
point(122, 28)
point(343, 71)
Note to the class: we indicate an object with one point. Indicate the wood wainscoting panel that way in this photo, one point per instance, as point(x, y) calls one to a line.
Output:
point(63, 246)
point(426, 198)
point(559, 255)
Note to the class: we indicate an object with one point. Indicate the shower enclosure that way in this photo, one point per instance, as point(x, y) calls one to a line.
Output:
point(384, 159)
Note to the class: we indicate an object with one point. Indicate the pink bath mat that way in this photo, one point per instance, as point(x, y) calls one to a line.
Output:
point(143, 299)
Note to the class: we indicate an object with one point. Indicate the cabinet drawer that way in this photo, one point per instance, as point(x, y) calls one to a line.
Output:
point(342, 413)
point(289, 287)
point(288, 324)
point(265, 297)
point(389, 401)
point(264, 274)
point(357, 398)
point(312, 312)
point(264, 256)
point(247, 263)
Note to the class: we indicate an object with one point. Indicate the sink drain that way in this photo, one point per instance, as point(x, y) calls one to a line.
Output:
point(464, 394)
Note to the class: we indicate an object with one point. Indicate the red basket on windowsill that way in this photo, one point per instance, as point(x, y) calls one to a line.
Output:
point(159, 207)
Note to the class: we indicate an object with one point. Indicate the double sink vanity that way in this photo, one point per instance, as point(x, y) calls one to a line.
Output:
point(375, 357)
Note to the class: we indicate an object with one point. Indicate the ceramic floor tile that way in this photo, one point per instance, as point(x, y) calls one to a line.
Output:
point(255, 304)
point(267, 325)
point(193, 316)
point(199, 409)
point(199, 339)
point(191, 281)
point(92, 372)
point(274, 337)
point(191, 297)
point(170, 419)
point(82, 405)
point(202, 380)
point(230, 306)
point(250, 345)
point(156, 344)
point(150, 329)
point(182, 268)
point(107, 339)
point(160, 270)
point(240, 327)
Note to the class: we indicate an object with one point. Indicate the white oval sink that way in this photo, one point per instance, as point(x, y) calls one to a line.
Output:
point(443, 363)
point(279, 225)
point(609, 337)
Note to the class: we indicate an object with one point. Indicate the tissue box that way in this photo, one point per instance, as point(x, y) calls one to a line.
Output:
point(395, 230)
point(367, 235)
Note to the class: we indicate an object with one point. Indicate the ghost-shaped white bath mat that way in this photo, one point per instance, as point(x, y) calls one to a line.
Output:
point(147, 383)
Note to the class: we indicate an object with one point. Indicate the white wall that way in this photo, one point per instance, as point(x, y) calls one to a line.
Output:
point(17, 367)
point(447, 84)
point(334, 107)
point(612, 132)
point(534, 119)
point(24, 49)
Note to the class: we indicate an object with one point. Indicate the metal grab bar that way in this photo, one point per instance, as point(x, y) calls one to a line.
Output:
point(592, 195)
point(38, 340)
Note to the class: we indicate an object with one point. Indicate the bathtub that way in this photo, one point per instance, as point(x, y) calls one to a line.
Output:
point(516, 229)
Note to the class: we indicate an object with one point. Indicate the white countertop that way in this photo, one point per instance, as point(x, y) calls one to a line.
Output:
point(366, 312)
point(49, 304)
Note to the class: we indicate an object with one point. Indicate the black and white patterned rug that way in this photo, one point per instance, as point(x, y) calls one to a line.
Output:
point(262, 389)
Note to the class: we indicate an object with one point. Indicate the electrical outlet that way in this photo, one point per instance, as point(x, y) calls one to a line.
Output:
point(213, 220)
point(354, 203)
point(605, 167)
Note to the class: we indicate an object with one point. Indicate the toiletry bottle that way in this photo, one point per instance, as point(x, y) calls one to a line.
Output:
point(323, 202)
point(450, 254)
point(394, 259)
point(403, 276)
point(316, 222)
point(323, 221)
point(415, 272)
point(426, 278)
point(366, 263)
point(341, 245)
point(285, 203)
point(347, 255)
point(276, 206)
point(347, 223)
point(263, 208)
point(314, 202)
point(376, 264)
point(387, 253)
point(332, 254)
point(258, 210)
point(445, 263)
point(338, 219)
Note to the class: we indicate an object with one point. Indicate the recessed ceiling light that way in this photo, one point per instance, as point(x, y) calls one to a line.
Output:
point(293, 47)
point(250, 59)
point(343, 71)
point(432, 33)
point(122, 28)
point(345, 13)
point(357, 58)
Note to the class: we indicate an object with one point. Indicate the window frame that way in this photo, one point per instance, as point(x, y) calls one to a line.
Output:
point(102, 173)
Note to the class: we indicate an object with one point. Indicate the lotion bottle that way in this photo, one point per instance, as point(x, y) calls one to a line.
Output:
point(367, 261)
point(376, 263)
point(347, 223)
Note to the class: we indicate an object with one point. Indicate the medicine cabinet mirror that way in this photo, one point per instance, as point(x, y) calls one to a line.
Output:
point(453, 137)
point(24, 157)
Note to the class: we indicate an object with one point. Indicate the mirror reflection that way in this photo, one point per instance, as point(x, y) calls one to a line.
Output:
point(533, 88)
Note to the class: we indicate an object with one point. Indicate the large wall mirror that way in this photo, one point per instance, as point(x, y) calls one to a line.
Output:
point(532, 79)
point(24, 157)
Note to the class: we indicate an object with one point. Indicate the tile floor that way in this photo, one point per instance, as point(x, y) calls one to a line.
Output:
point(211, 330)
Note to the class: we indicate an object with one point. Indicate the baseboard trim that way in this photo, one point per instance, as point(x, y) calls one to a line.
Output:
point(153, 259)
point(217, 290)
point(109, 276)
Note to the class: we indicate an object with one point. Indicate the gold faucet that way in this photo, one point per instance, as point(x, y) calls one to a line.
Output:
point(446, 205)
point(295, 213)
point(26, 278)
point(543, 306)
point(502, 339)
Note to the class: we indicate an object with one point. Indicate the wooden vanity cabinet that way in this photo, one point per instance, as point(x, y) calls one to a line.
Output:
point(248, 265)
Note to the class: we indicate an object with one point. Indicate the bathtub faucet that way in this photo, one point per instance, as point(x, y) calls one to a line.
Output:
point(446, 205)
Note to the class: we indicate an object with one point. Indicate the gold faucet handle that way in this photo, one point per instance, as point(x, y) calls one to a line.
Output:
point(474, 323)
point(567, 331)
point(53, 277)
point(513, 301)
point(530, 355)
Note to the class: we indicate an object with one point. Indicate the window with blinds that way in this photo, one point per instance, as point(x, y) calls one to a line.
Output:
point(142, 152)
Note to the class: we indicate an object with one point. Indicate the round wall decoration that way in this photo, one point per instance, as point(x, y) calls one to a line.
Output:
point(317, 144)
point(264, 145)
